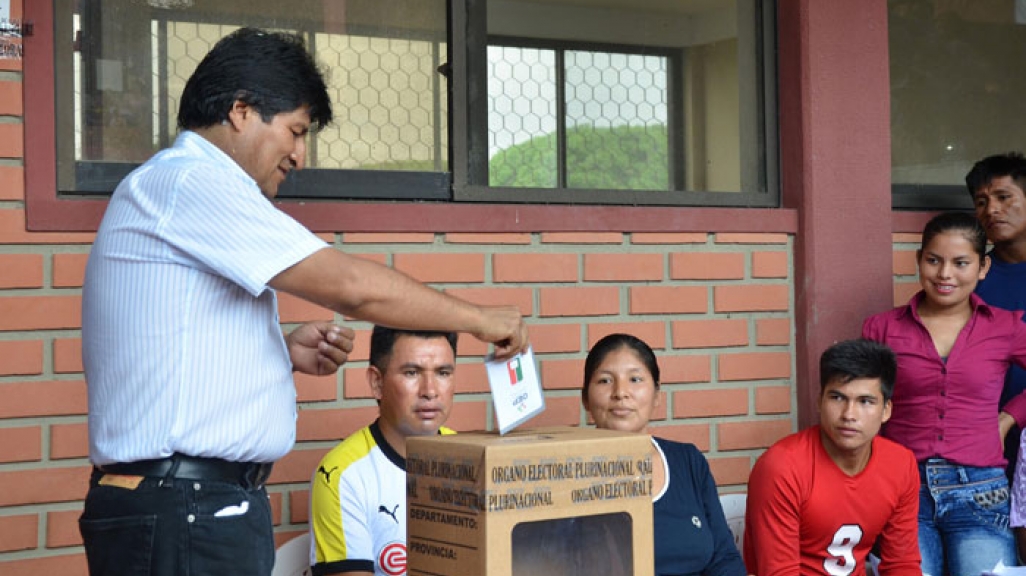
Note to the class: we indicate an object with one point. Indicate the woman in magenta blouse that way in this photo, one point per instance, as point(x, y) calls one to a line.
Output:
point(953, 351)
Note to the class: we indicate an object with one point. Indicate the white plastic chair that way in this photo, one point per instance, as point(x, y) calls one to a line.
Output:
point(293, 557)
point(734, 511)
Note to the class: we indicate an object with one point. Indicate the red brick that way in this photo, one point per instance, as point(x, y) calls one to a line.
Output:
point(19, 532)
point(751, 434)
point(907, 238)
point(551, 338)
point(697, 434)
point(40, 312)
point(623, 267)
point(299, 506)
point(24, 444)
point(333, 424)
point(361, 345)
point(354, 383)
point(21, 357)
point(281, 538)
point(275, 498)
point(773, 331)
point(904, 291)
point(731, 471)
point(710, 333)
point(441, 267)
point(653, 333)
point(559, 411)
point(42, 398)
point(562, 374)
point(669, 299)
point(746, 238)
point(706, 403)
point(12, 140)
point(65, 564)
point(316, 388)
point(773, 400)
point(905, 263)
point(296, 310)
point(603, 301)
point(487, 238)
point(754, 366)
point(62, 529)
point(769, 265)
point(669, 238)
point(471, 377)
point(67, 355)
point(469, 416)
point(522, 298)
point(751, 298)
point(534, 268)
point(21, 270)
point(677, 368)
point(388, 238)
point(582, 238)
point(10, 98)
point(298, 465)
point(467, 346)
point(69, 440)
point(12, 183)
point(12, 231)
point(707, 266)
point(43, 485)
point(69, 270)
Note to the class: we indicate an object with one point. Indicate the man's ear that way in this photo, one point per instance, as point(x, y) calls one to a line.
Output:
point(238, 114)
point(886, 411)
point(374, 379)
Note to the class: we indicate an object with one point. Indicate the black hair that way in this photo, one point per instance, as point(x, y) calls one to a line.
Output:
point(612, 343)
point(962, 222)
point(1011, 164)
point(383, 341)
point(860, 358)
point(270, 71)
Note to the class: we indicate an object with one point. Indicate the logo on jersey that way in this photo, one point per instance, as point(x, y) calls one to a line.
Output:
point(391, 512)
point(392, 559)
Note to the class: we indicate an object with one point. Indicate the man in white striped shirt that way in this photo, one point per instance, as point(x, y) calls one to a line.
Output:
point(189, 376)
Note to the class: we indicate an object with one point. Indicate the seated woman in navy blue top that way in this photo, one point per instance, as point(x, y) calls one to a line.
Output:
point(621, 388)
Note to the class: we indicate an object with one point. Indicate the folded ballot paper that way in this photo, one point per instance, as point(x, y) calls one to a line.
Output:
point(516, 390)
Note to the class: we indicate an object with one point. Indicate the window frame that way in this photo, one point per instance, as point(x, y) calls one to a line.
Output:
point(470, 210)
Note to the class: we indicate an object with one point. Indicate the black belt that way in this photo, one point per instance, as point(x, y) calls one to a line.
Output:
point(251, 474)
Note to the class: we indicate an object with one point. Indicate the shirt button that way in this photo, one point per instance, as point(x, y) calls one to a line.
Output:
point(191, 518)
point(944, 392)
point(940, 436)
point(941, 415)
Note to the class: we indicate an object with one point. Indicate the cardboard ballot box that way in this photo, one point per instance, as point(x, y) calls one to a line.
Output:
point(549, 501)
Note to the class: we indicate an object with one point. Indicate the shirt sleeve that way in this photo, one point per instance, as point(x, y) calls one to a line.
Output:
point(227, 226)
point(339, 526)
point(726, 560)
point(772, 540)
point(1016, 407)
point(899, 540)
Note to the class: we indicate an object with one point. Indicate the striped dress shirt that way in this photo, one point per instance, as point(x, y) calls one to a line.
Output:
point(181, 341)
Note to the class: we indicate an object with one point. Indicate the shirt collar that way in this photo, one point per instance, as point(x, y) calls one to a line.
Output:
point(975, 302)
point(196, 144)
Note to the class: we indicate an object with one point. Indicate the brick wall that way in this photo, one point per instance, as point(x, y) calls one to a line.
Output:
point(717, 307)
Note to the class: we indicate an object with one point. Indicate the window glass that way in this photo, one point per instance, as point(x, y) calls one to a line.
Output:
point(956, 93)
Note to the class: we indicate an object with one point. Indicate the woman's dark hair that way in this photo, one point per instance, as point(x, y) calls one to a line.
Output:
point(269, 71)
point(962, 222)
point(612, 343)
point(853, 359)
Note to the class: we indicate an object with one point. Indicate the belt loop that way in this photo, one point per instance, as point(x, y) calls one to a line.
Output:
point(963, 476)
point(168, 479)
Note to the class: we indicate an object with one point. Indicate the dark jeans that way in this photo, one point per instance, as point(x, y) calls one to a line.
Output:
point(177, 527)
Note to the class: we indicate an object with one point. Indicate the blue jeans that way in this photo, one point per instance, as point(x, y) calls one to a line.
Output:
point(169, 527)
point(963, 519)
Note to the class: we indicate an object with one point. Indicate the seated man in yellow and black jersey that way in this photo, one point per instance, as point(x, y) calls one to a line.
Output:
point(358, 496)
